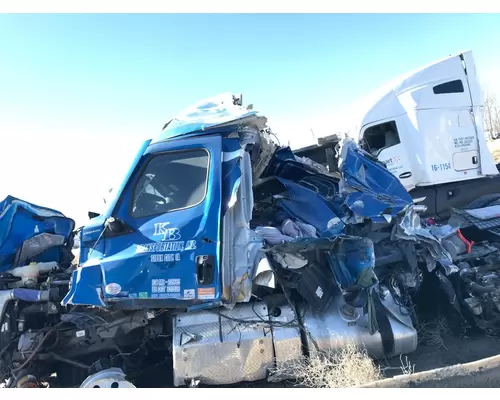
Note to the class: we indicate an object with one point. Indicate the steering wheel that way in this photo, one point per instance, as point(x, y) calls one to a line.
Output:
point(157, 203)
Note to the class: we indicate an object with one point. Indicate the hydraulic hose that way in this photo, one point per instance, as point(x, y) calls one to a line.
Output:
point(478, 289)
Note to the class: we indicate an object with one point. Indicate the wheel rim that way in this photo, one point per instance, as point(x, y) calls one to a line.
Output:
point(113, 378)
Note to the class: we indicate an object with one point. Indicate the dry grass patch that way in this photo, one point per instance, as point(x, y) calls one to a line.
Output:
point(431, 333)
point(346, 367)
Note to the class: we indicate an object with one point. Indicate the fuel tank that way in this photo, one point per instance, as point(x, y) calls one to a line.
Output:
point(220, 347)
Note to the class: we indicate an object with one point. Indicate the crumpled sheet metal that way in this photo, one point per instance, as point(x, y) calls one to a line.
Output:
point(21, 220)
point(285, 164)
point(219, 351)
point(262, 158)
point(371, 190)
point(312, 208)
point(244, 271)
point(241, 258)
point(264, 274)
point(86, 286)
point(241, 252)
point(411, 228)
point(207, 114)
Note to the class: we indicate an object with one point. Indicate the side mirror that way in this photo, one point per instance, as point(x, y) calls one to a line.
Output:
point(92, 214)
point(115, 226)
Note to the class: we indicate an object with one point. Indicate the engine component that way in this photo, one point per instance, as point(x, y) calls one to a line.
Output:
point(29, 273)
point(454, 244)
point(478, 289)
point(26, 380)
point(474, 305)
point(28, 341)
point(30, 295)
point(314, 283)
point(341, 324)
point(108, 378)
point(241, 340)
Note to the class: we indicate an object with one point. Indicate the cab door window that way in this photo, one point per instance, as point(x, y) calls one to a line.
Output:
point(382, 136)
point(171, 181)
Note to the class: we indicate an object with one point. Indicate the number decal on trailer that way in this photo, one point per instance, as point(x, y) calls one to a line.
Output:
point(441, 167)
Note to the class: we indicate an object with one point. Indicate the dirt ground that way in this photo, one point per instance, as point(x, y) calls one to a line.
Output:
point(453, 350)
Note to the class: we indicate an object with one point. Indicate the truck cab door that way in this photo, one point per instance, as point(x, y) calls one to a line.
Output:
point(167, 251)
point(382, 140)
point(450, 97)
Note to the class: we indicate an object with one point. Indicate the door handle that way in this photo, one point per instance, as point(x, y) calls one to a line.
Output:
point(205, 270)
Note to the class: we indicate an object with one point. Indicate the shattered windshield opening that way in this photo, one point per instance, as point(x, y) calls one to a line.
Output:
point(171, 181)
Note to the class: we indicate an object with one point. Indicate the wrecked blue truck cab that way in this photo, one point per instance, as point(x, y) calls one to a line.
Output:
point(221, 244)
point(159, 243)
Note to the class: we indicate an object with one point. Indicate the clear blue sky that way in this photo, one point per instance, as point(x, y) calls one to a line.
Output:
point(72, 85)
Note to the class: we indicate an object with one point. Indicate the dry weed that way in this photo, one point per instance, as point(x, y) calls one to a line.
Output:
point(345, 367)
point(407, 368)
point(431, 333)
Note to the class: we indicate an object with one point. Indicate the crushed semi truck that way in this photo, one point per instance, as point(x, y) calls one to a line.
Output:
point(226, 256)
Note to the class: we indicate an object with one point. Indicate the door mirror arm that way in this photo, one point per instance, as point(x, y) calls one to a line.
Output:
point(115, 227)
